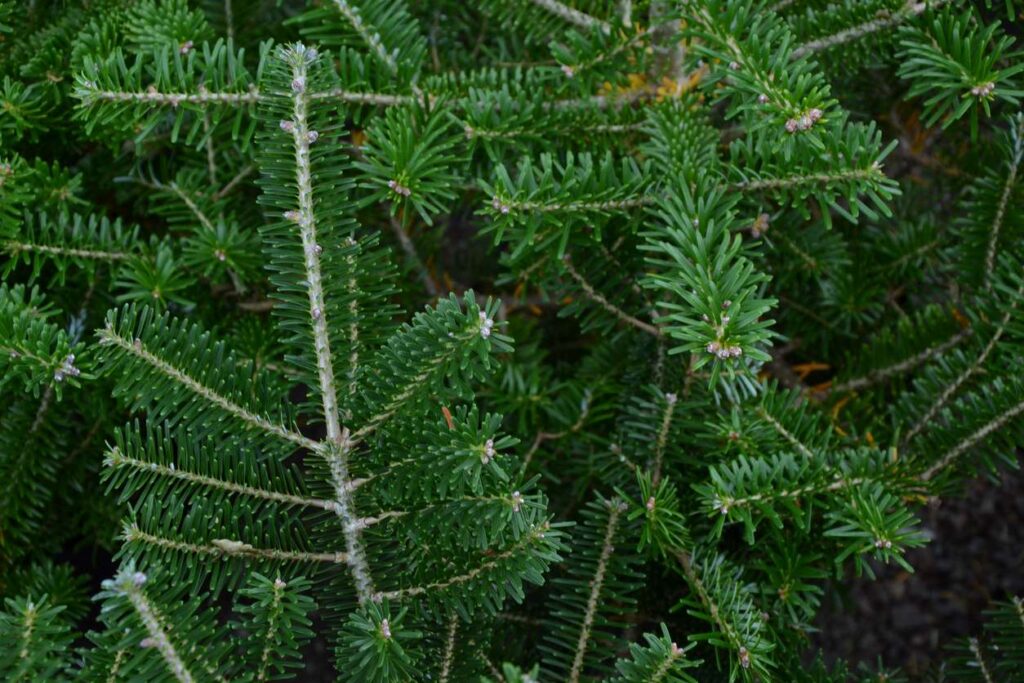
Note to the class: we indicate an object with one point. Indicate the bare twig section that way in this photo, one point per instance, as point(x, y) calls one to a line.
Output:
point(725, 504)
point(550, 436)
point(28, 628)
point(373, 98)
point(211, 155)
point(203, 219)
point(581, 207)
point(115, 667)
point(229, 19)
point(356, 559)
point(600, 299)
point(669, 51)
point(234, 182)
point(615, 510)
point(402, 235)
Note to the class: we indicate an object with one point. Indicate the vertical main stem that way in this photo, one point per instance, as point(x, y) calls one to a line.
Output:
point(339, 443)
point(307, 228)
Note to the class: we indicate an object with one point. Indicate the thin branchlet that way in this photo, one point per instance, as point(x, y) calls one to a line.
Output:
point(573, 15)
point(493, 560)
point(994, 425)
point(1004, 200)
point(131, 586)
point(274, 613)
point(884, 374)
point(116, 459)
point(909, 10)
point(615, 510)
point(785, 433)
point(258, 422)
point(227, 547)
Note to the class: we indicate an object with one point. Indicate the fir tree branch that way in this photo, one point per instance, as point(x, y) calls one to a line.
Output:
point(448, 658)
point(109, 335)
point(572, 15)
point(369, 36)
point(952, 454)
point(909, 10)
point(268, 642)
point(600, 299)
point(785, 433)
point(1004, 199)
point(246, 171)
point(615, 509)
point(226, 547)
point(725, 504)
point(176, 99)
point(372, 98)
point(580, 207)
point(353, 331)
point(13, 247)
point(659, 446)
point(115, 667)
point(130, 585)
point(777, 96)
point(874, 172)
point(115, 459)
point(190, 203)
point(693, 578)
point(979, 659)
point(494, 560)
point(397, 401)
point(969, 372)
point(906, 365)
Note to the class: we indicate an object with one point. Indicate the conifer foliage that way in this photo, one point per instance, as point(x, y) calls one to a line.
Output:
point(519, 340)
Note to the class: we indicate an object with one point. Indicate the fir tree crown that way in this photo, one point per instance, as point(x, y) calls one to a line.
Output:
point(507, 341)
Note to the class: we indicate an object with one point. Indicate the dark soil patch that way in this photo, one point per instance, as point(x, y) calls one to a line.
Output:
point(976, 555)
